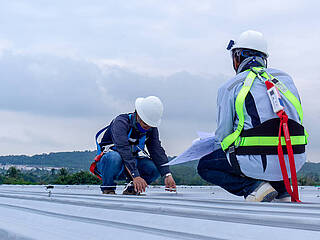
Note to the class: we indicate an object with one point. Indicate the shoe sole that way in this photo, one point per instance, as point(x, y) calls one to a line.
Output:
point(282, 200)
point(141, 194)
point(270, 196)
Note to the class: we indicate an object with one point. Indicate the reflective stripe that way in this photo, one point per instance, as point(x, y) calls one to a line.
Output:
point(289, 95)
point(292, 98)
point(227, 141)
point(269, 141)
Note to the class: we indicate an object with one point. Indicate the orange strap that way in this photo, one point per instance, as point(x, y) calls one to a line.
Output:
point(94, 164)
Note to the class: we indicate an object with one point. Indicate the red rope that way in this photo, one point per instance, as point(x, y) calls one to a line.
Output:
point(284, 125)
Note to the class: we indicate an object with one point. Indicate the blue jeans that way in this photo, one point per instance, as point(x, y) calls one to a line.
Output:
point(215, 168)
point(111, 168)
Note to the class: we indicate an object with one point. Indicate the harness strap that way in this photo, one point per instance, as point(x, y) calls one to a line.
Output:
point(275, 100)
point(284, 125)
point(269, 141)
point(93, 166)
point(97, 136)
point(230, 139)
point(234, 161)
point(100, 153)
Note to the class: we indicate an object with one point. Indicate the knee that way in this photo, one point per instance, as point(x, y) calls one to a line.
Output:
point(201, 167)
point(154, 175)
point(152, 170)
point(112, 158)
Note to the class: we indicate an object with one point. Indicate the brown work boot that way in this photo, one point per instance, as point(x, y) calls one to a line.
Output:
point(108, 191)
point(130, 191)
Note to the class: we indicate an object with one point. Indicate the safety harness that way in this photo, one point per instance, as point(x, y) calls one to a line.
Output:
point(137, 145)
point(265, 139)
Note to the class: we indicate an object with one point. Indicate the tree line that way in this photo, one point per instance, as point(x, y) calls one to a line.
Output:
point(184, 175)
point(62, 176)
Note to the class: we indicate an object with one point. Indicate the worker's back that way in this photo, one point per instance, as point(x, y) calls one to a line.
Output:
point(257, 110)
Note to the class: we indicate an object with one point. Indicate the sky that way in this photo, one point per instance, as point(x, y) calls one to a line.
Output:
point(67, 68)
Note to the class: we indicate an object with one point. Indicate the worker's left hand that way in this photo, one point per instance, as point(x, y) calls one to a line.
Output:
point(170, 183)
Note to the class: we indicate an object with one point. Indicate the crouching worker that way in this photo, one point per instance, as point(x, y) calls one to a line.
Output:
point(118, 152)
point(257, 108)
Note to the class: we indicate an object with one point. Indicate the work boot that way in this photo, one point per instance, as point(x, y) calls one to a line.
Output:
point(129, 190)
point(284, 197)
point(109, 191)
point(263, 193)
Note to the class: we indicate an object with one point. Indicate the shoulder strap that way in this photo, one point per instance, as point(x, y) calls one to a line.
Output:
point(227, 141)
point(97, 135)
point(289, 95)
point(129, 134)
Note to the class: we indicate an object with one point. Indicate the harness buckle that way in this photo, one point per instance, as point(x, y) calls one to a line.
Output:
point(259, 73)
point(107, 148)
point(232, 149)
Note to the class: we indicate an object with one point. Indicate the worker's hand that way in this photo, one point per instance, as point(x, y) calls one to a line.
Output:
point(170, 183)
point(139, 184)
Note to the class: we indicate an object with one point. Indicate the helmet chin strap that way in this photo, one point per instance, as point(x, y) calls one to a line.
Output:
point(137, 124)
point(141, 129)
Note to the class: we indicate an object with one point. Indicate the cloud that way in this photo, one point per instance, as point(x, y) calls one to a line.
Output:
point(54, 94)
point(48, 85)
point(75, 65)
point(57, 86)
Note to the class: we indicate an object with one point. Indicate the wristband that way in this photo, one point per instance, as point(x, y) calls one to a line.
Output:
point(168, 174)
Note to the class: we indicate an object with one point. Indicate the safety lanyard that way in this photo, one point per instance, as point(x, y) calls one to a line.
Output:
point(278, 108)
point(284, 125)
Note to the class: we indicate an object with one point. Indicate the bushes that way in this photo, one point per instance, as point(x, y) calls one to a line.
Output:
point(63, 177)
point(78, 178)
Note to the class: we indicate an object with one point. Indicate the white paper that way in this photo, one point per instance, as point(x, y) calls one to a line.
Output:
point(203, 135)
point(205, 144)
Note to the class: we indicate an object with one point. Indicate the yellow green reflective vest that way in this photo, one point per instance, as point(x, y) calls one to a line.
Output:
point(259, 140)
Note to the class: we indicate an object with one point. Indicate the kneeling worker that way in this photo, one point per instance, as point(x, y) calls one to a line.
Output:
point(123, 139)
point(257, 108)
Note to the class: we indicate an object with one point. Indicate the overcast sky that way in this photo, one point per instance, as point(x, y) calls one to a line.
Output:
point(67, 68)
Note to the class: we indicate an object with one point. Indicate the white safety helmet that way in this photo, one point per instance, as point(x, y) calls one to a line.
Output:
point(150, 110)
point(250, 40)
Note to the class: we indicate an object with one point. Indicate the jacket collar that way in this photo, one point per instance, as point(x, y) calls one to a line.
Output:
point(250, 62)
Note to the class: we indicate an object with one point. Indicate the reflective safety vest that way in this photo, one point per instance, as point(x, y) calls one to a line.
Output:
point(263, 135)
point(268, 137)
point(137, 145)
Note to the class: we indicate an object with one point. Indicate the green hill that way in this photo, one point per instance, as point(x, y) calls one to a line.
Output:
point(80, 160)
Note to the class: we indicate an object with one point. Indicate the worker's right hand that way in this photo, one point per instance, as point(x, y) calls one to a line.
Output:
point(139, 184)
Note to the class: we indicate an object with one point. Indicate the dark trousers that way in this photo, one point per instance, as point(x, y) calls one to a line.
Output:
point(111, 168)
point(215, 168)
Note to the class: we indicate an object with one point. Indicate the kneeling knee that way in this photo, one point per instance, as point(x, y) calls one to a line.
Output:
point(201, 169)
point(112, 157)
point(154, 175)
